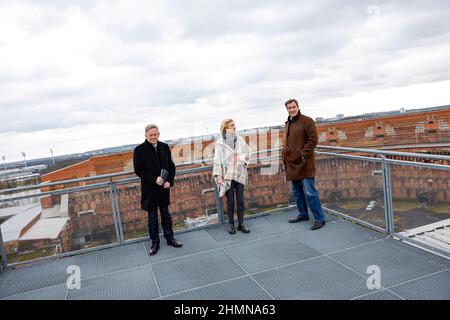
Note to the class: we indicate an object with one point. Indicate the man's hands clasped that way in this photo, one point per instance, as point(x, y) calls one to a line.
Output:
point(160, 182)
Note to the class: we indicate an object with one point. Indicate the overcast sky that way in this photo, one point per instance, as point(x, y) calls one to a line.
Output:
point(82, 75)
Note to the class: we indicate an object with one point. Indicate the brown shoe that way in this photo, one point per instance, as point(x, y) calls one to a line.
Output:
point(317, 225)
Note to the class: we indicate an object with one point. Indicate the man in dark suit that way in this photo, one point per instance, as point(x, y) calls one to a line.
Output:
point(149, 158)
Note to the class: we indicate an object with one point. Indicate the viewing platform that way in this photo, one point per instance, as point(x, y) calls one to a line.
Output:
point(277, 260)
point(386, 234)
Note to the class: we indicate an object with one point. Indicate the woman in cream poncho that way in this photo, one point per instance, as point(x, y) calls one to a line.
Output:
point(231, 158)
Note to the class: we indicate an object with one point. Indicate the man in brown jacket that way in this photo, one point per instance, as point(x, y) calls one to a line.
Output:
point(299, 160)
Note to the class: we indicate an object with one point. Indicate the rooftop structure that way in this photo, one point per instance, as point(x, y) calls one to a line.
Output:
point(22, 226)
point(45, 229)
point(13, 228)
point(8, 212)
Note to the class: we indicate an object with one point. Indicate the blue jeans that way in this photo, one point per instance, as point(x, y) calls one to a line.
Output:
point(306, 196)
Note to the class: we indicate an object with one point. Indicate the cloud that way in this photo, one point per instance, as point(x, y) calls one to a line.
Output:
point(100, 67)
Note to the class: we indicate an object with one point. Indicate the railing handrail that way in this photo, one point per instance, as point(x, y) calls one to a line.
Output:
point(68, 181)
point(391, 161)
point(112, 175)
point(112, 184)
point(208, 167)
point(102, 184)
point(388, 153)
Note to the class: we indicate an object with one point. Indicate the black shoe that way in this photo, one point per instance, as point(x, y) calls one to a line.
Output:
point(298, 219)
point(242, 228)
point(154, 249)
point(317, 225)
point(231, 229)
point(174, 243)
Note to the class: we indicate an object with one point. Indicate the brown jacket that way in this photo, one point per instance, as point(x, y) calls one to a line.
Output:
point(300, 139)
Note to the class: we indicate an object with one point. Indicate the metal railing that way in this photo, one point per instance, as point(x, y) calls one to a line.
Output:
point(112, 187)
point(386, 168)
point(4, 262)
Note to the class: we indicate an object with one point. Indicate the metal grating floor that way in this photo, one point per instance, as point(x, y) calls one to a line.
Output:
point(277, 260)
point(233, 289)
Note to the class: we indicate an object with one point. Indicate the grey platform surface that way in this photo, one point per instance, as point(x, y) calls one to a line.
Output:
point(277, 260)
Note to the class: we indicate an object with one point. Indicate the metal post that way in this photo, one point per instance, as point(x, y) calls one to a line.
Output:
point(387, 191)
point(4, 265)
point(24, 159)
point(53, 157)
point(391, 205)
point(119, 219)
point(114, 213)
point(219, 205)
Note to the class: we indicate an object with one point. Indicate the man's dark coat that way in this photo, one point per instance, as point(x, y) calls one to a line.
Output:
point(148, 168)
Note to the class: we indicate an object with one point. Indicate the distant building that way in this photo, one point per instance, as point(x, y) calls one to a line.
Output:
point(20, 176)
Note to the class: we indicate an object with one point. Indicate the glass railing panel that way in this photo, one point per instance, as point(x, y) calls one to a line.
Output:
point(420, 196)
point(267, 189)
point(352, 187)
point(58, 224)
point(193, 204)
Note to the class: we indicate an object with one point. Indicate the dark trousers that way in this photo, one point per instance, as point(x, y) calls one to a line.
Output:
point(238, 190)
point(166, 222)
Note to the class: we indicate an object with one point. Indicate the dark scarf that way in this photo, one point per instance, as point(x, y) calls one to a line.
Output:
point(294, 118)
point(290, 121)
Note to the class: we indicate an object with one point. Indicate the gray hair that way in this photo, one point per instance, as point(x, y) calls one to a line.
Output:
point(151, 126)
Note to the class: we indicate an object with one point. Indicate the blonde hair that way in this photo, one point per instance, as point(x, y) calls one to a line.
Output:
point(224, 125)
